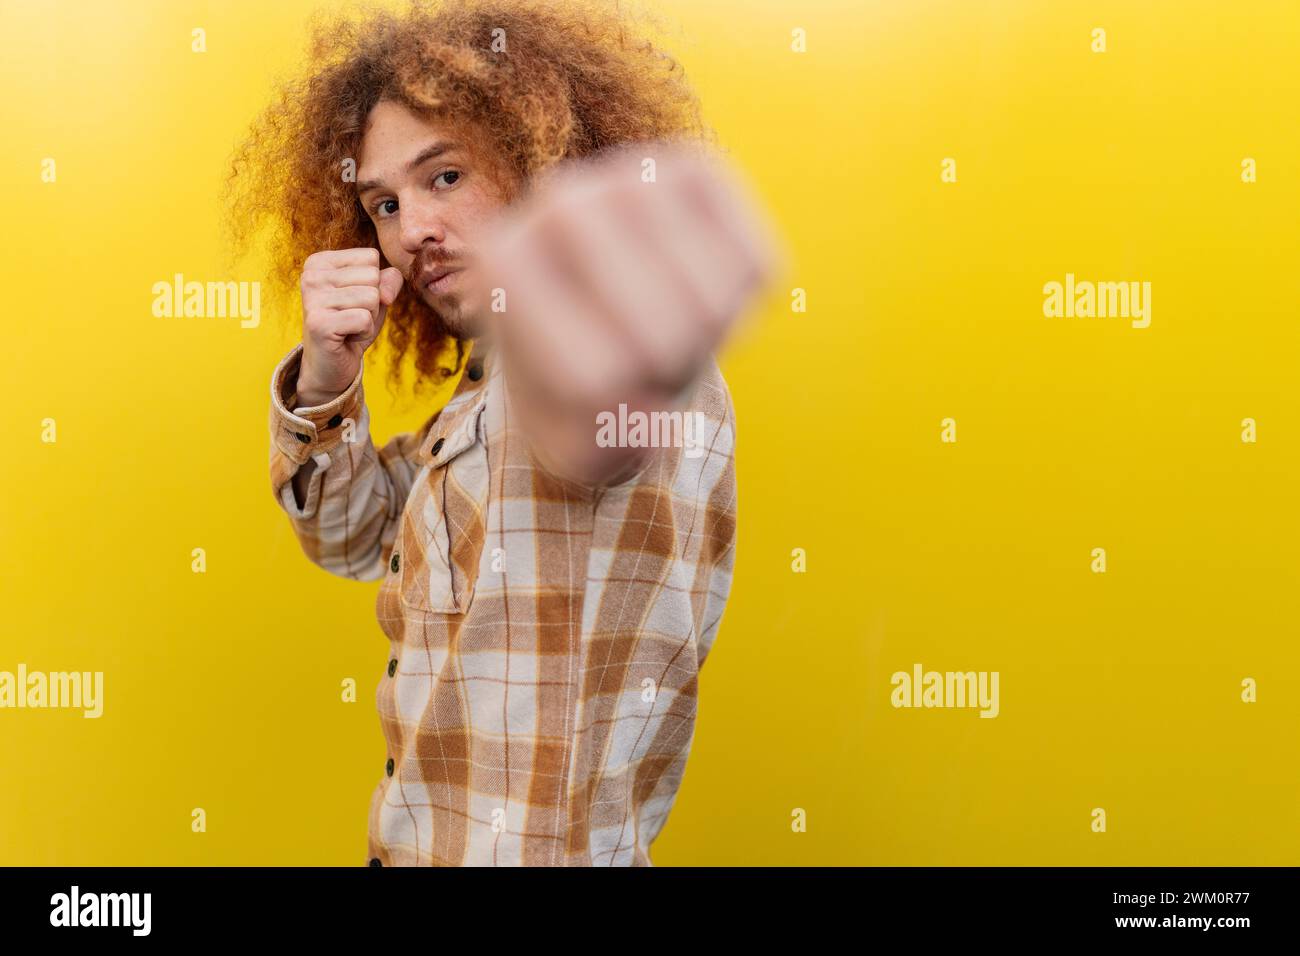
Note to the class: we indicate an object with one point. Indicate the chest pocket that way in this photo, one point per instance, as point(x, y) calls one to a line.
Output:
point(444, 525)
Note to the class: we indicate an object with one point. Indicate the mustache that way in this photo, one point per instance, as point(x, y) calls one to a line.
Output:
point(426, 259)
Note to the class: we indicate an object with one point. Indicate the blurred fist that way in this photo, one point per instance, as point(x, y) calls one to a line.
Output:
point(345, 296)
point(622, 273)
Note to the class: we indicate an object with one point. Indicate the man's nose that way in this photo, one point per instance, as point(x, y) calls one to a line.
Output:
point(420, 222)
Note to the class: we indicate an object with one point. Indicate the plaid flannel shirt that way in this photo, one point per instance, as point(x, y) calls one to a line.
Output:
point(546, 637)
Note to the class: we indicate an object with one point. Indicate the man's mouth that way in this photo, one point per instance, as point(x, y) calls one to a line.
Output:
point(437, 280)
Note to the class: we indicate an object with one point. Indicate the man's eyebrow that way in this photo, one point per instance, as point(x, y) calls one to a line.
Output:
point(436, 148)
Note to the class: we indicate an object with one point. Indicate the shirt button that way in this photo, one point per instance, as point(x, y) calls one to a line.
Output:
point(374, 861)
point(394, 564)
point(301, 437)
point(392, 667)
point(389, 766)
point(437, 446)
point(335, 422)
point(475, 372)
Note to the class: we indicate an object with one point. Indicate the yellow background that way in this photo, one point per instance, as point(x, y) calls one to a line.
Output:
point(1119, 691)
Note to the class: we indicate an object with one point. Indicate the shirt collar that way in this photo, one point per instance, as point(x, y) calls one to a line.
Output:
point(456, 427)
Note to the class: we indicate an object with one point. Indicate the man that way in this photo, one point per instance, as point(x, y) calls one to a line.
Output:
point(554, 569)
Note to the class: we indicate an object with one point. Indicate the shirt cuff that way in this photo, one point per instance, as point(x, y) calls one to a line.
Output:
point(309, 430)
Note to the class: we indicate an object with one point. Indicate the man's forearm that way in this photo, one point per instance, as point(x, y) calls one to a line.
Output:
point(566, 436)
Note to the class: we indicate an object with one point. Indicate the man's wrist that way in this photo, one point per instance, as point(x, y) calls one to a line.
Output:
point(307, 395)
point(305, 398)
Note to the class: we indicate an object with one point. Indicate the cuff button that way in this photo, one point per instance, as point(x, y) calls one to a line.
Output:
point(394, 564)
point(301, 437)
point(437, 447)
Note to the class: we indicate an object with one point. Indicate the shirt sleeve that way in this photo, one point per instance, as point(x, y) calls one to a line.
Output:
point(718, 499)
point(355, 496)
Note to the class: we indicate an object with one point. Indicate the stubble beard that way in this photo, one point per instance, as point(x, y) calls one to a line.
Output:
point(460, 321)
point(452, 309)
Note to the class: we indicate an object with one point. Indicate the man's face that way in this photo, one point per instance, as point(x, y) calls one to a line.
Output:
point(429, 191)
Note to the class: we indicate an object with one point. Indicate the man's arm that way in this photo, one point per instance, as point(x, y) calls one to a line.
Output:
point(342, 495)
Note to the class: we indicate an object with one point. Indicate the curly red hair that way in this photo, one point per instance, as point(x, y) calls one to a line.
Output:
point(574, 77)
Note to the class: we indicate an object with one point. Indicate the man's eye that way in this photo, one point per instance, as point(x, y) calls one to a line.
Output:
point(388, 207)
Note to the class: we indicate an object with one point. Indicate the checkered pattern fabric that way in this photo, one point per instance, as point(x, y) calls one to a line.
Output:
point(546, 637)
